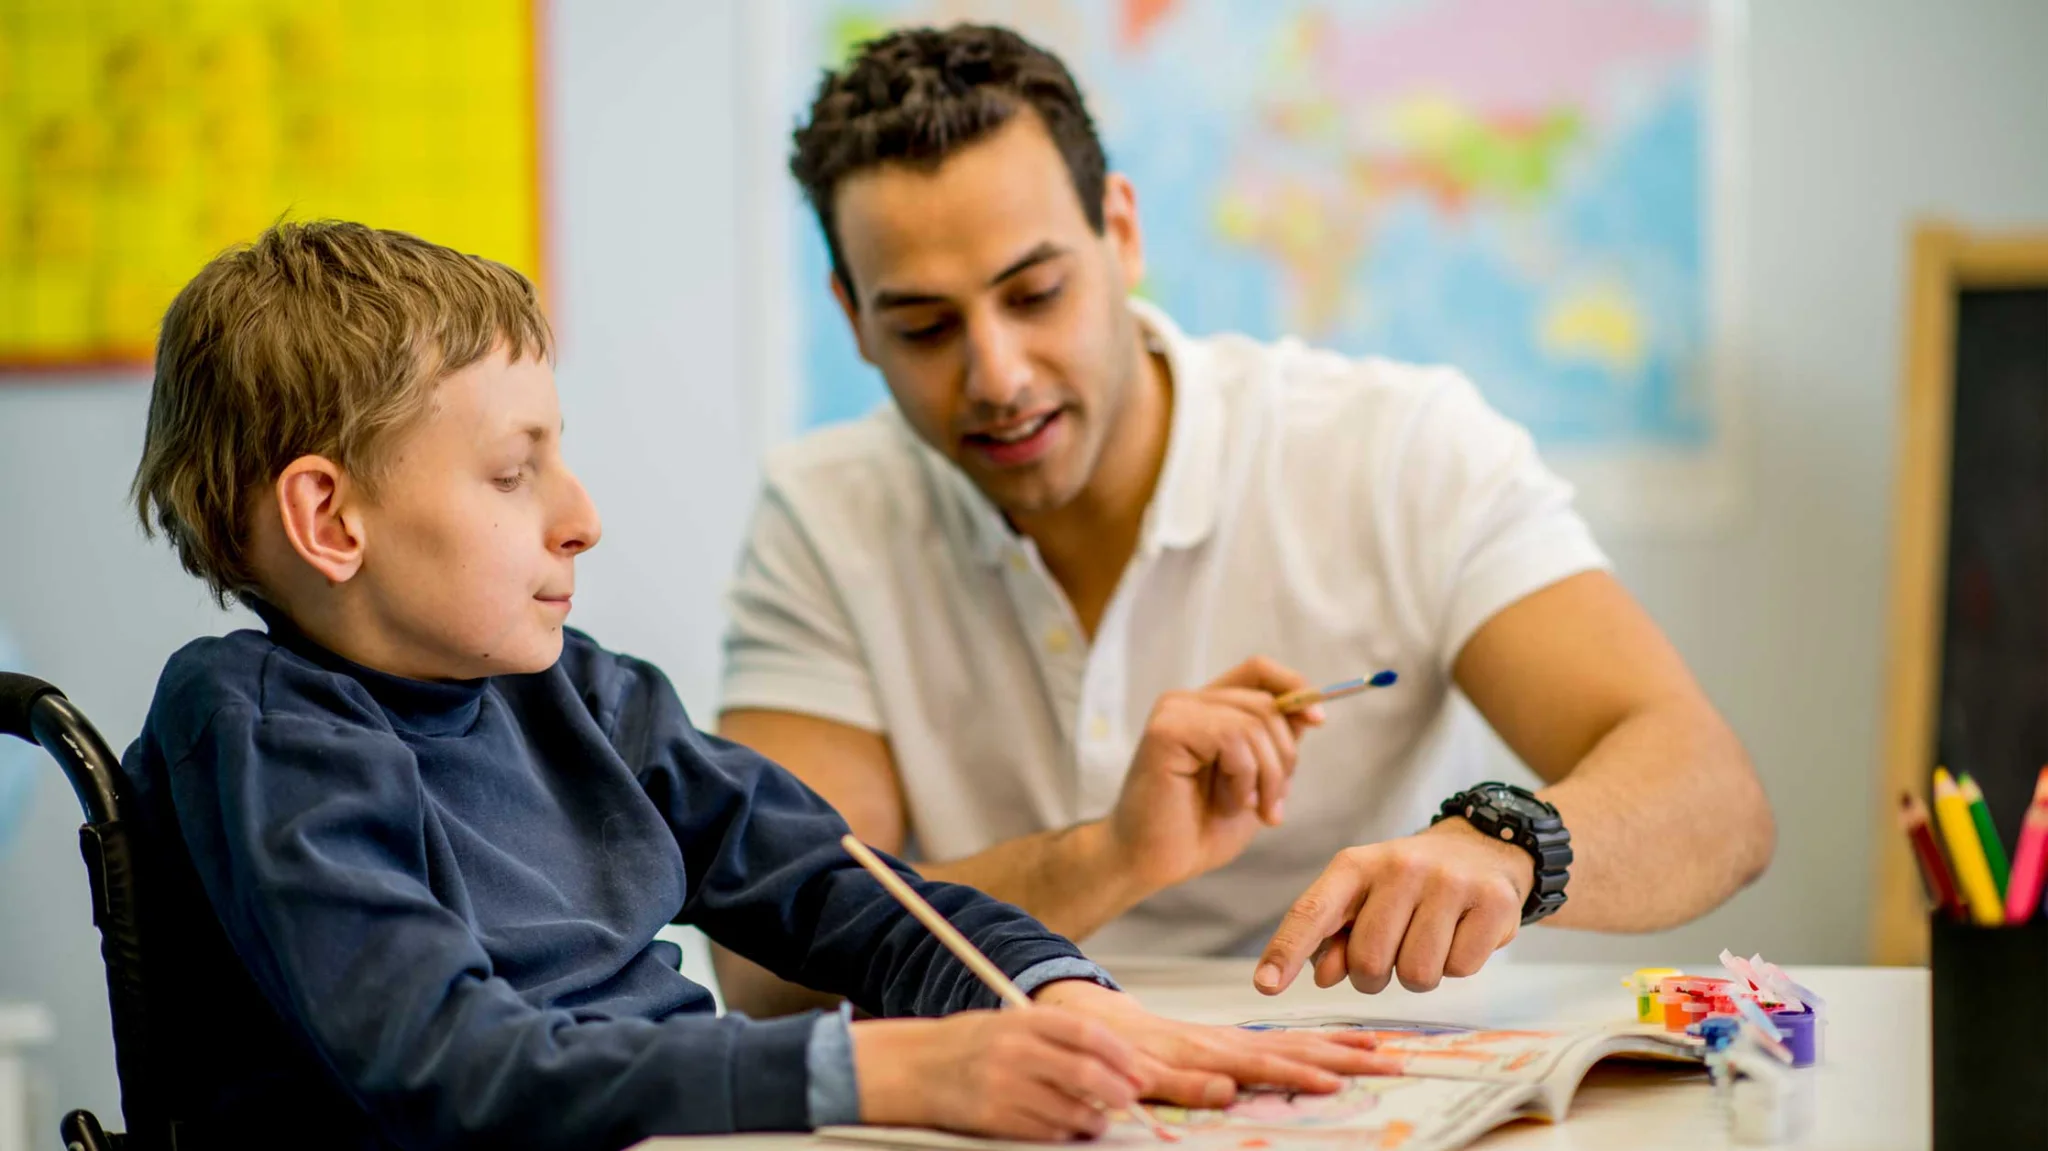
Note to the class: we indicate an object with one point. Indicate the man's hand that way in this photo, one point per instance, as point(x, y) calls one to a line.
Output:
point(1434, 904)
point(1193, 1065)
point(1213, 766)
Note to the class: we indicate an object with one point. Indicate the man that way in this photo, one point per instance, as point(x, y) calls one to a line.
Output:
point(988, 623)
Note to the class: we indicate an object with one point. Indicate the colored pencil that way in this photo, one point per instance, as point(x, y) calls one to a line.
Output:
point(1934, 873)
point(2030, 858)
point(1987, 832)
point(1973, 873)
point(963, 950)
point(1295, 701)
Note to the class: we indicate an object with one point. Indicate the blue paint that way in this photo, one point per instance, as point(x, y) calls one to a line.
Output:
point(1385, 678)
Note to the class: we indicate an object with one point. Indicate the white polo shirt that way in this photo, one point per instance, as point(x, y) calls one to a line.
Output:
point(1338, 515)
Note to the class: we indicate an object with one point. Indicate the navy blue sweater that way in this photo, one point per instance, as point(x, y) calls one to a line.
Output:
point(423, 914)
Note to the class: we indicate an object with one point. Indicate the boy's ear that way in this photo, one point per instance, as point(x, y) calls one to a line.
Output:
point(841, 293)
point(315, 501)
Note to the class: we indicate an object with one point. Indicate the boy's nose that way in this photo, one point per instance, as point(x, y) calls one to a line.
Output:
point(579, 527)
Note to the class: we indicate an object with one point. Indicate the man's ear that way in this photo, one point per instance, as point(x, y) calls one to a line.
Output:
point(1120, 228)
point(318, 507)
point(844, 295)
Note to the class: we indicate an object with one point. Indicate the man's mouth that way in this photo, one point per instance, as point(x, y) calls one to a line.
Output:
point(1019, 442)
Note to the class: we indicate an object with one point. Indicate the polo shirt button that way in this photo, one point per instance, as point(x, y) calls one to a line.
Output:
point(1017, 563)
point(1098, 728)
point(1057, 640)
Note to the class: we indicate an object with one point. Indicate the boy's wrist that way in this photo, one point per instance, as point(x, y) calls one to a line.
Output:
point(885, 1069)
point(1075, 992)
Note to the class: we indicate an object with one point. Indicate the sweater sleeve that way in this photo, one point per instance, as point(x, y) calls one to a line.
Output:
point(306, 831)
point(769, 879)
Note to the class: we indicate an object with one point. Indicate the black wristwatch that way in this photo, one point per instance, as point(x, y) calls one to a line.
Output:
point(1511, 813)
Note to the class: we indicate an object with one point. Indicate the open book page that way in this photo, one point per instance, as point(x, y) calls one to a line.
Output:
point(1372, 1112)
point(1457, 1084)
point(1555, 1061)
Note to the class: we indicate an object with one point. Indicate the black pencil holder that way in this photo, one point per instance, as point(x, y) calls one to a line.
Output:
point(1990, 1003)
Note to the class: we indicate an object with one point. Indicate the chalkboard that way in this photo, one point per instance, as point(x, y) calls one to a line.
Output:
point(1968, 675)
point(1994, 661)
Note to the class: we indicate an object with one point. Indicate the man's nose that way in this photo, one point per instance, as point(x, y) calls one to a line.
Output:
point(998, 371)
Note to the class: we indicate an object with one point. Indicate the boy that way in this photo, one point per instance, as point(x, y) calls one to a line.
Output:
point(415, 841)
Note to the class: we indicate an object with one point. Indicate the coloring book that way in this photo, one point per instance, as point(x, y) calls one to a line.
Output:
point(1457, 1083)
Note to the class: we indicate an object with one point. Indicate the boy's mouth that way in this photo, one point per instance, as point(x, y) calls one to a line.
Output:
point(560, 601)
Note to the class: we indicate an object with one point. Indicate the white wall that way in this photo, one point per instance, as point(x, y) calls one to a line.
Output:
point(1865, 115)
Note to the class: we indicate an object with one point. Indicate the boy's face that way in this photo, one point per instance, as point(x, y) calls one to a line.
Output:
point(994, 311)
point(469, 551)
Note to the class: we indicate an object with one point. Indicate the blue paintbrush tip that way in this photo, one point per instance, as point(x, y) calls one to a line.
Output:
point(1385, 678)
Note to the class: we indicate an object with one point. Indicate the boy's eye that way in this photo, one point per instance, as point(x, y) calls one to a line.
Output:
point(509, 482)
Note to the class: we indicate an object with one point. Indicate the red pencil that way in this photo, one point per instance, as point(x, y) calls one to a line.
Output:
point(1934, 874)
point(2023, 893)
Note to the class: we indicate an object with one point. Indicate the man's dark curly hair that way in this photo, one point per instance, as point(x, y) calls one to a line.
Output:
point(918, 95)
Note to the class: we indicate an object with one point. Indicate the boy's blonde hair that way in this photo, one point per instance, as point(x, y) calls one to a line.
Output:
point(322, 338)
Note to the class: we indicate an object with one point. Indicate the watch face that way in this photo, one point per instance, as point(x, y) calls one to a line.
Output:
point(1521, 805)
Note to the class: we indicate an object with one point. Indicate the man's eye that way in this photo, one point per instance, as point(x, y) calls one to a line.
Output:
point(1040, 299)
point(925, 334)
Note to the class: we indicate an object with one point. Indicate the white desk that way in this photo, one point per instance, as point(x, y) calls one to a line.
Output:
point(1873, 1089)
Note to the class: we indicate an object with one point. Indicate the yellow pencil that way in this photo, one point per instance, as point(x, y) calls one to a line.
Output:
point(1966, 851)
point(962, 948)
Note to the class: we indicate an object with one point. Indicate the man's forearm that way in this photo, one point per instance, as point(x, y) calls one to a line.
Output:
point(1071, 880)
point(1667, 821)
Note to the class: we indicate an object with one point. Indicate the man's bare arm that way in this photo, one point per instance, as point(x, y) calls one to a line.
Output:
point(1067, 879)
point(1061, 877)
point(1666, 814)
point(1212, 768)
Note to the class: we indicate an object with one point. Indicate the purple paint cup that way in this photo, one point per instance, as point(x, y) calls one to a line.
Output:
point(1797, 1033)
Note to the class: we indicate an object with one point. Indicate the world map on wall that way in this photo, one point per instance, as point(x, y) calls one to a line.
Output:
point(1514, 187)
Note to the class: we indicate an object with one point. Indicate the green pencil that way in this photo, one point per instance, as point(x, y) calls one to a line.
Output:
point(1994, 851)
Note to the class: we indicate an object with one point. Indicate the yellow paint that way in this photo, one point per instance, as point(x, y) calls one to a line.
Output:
point(1645, 981)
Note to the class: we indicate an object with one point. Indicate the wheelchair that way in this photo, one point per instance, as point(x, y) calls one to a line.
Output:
point(39, 713)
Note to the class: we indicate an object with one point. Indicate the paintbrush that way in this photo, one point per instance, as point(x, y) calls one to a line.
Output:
point(1295, 701)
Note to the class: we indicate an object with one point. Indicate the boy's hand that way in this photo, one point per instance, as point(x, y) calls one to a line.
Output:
point(1040, 1074)
point(1194, 1065)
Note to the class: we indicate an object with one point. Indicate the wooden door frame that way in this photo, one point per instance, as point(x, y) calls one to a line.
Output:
point(1945, 261)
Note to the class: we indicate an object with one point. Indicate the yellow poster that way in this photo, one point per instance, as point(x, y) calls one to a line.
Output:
point(139, 138)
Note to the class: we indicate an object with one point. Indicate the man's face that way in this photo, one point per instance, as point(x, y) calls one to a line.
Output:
point(994, 312)
point(469, 554)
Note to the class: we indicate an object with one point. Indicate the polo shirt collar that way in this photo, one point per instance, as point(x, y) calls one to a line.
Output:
point(1185, 503)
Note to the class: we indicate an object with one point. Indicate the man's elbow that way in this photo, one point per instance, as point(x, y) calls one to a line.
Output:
point(1753, 830)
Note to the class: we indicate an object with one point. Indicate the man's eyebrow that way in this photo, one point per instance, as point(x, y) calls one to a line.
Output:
point(1046, 250)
